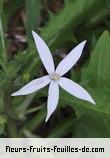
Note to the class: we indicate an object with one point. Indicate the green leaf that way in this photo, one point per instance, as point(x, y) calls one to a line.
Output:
point(11, 8)
point(1, 6)
point(33, 15)
point(35, 120)
point(101, 98)
point(92, 126)
point(73, 14)
point(96, 79)
point(62, 128)
point(2, 124)
point(21, 109)
point(2, 39)
point(98, 68)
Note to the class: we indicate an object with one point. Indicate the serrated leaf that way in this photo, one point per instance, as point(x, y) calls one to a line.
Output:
point(98, 68)
point(97, 81)
point(73, 14)
point(102, 106)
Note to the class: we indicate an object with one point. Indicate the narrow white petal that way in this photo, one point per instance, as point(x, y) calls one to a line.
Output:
point(70, 60)
point(33, 86)
point(53, 98)
point(44, 53)
point(75, 89)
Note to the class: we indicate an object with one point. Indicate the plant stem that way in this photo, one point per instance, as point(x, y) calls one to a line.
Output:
point(11, 124)
point(11, 128)
point(2, 39)
point(1, 34)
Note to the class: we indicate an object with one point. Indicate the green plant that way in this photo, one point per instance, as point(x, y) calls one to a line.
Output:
point(78, 20)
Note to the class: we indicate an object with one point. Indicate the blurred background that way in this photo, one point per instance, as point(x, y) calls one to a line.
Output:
point(62, 24)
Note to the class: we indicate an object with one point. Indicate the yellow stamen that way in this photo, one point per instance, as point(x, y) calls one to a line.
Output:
point(55, 77)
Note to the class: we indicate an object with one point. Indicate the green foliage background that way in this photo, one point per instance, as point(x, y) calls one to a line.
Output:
point(24, 116)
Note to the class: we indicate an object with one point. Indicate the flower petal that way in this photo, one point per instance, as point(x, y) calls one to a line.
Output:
point(70, 60)
point(75, 89)
point(33, 86)
point(44, 53)
point(53, 98)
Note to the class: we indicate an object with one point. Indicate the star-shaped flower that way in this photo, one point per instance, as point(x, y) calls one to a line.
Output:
point(54, 77)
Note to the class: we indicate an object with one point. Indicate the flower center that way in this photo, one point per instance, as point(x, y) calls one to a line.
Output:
point(54, 77)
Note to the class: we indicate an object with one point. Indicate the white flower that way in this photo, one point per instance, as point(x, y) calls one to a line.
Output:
point(54, 77)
